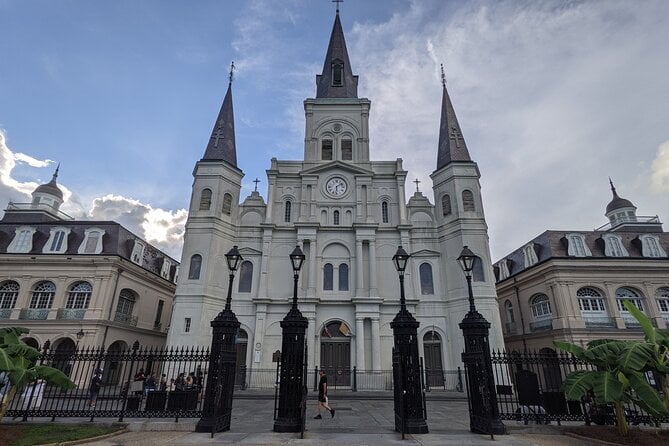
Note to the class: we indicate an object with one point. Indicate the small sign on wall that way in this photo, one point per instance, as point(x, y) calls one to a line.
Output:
point(256, 357)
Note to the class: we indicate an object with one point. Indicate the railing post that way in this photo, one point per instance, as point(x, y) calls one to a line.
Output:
point(135, 347)
point(459, 385)
point(316, 379)
point(354, 387)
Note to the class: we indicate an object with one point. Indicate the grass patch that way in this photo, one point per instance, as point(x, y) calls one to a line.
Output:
point(34, 434)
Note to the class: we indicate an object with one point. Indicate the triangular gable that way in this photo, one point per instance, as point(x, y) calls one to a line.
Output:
point(337, 165)
point(426, 253)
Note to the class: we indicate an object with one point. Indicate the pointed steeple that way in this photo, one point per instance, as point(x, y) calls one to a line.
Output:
point(452, 146)
point(221, 144)
point(51, 187)
point(337, 79)
point(617, 202)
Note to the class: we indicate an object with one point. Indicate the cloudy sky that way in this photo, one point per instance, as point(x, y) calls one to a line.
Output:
point(553, 97)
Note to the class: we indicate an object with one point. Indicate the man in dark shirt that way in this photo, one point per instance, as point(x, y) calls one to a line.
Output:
point(96, 382)
point(323, 396)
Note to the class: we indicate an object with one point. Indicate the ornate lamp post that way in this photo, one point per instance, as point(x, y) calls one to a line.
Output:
point(483, 410)
point(80, 335)
point(410, 411)
point(217, 408)
point(292, 385)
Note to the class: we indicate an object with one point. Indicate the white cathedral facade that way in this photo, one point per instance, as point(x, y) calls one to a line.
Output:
point(348, 214)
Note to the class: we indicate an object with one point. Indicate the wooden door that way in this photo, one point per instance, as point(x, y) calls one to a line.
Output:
point(433, 365)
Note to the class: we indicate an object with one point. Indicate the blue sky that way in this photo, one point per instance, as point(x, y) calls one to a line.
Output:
point(553, 98)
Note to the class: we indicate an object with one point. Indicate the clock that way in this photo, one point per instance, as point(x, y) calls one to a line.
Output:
point(336, 187)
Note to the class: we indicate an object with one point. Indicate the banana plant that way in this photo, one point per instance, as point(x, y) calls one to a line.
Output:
point(18, 363)
point(617, 378)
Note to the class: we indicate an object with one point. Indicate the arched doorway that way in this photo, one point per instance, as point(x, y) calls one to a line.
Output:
point(64, 355)
point(551, 369)
point(32, 342)
point(242, 342)
point(111, 373)
point(434, 367)
point(336, 353)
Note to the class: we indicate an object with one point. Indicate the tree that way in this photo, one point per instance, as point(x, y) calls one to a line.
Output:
point(18, 361)
point(618, 377)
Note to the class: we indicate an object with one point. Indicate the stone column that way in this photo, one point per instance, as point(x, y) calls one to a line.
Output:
point(311, 290)
point(376, 345)
point(373, 288)
point(311, 343)
point(360, 343)
point(358, 267)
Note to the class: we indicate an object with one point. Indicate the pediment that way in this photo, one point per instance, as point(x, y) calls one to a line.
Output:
point(426, 253)
point(337, 165)
point(249, 252)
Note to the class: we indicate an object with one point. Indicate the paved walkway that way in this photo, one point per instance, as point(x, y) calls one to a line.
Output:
point(357, 422)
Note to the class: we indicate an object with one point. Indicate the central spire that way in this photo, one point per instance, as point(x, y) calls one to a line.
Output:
point(337, 79)
point(221, 144)
point(452, 146)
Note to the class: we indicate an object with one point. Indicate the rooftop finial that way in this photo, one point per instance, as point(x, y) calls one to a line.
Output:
point(613, 188)
point(256, 181)
point(337, 2)
point(443, 76)
point(55, 174)
point(417, 183)
point(232, 70)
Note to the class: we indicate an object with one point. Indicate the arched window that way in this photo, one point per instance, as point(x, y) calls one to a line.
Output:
point(662, 297)
point(286, 216)
point(245, 277)
point(426, 284)
point(623, 294)
point(125, 306)
point(79, 296)
point(42, 295)
point(384, 212)
point(335, 216)
point(9, 292)
point(195, 266)
point(337, 73)
point(327, 277)
point(346, 149)
point(592, 306)
point(577, 246)
point(542, 315)
point(446, 205)
point(613, 246)
point(477, 273)
point(326, 149)
point(227, 204)
point(343, 277)
point(508, 308)
point(468, 201)
point(205, 200)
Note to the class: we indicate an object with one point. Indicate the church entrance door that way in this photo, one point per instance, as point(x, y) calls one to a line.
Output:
point(433, 365)
point(242, 346)
point(336, 354)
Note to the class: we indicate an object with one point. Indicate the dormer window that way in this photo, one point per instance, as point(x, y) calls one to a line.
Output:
point(337, 73)
point(165, 270)
point(23, 240)
point(137, 252)
point(530, 255)
point(92, 243)
point(503, 266)
point(577, 246)
point(650, 246)
point(326, 149)
point(346, 149)
point(614, 246)
point(57, 243)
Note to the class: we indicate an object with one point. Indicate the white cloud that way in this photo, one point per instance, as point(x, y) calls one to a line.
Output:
point(32, 162)
point(660, 167)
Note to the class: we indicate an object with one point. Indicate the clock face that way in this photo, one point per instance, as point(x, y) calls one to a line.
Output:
point(336, 187)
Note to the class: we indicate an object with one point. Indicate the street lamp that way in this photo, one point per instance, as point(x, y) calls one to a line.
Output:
point(409, 404)
point(80, 335)
point(293, 359)
point(483, 410)
point(217, 407)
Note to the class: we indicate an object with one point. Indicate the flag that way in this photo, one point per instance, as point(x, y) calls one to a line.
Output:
point(327, 332)
point(343, 329)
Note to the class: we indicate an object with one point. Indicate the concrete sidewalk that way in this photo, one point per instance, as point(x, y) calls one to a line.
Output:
point(356, 422)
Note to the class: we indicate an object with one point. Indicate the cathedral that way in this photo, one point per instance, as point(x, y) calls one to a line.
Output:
point(348, 214)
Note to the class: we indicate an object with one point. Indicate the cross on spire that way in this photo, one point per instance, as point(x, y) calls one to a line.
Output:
point(417, 182)
point(232, 70)
point(256, 181)
point(337, 2)
point(456, 135)
point(218, 134)
point(443, 76)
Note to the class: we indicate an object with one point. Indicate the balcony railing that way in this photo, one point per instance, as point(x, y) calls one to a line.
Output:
point(70, 313)
point(5, 313)
point(511, 328)
point(127, 319)
point(665, 316)
point(599, 322)
point(34, 314)
point(546, 324)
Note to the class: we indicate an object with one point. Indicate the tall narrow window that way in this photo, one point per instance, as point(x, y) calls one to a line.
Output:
point(384, 212)
point(9, 292)
point(57, 243)
point(327, 277)
point(137, 252)
point(92, 243)
point(577, 246)
point(650, 246)
point(227, 204)
point(337, 73)
point(477, 272)
point(541, 313)
point(346, 149)
point(343, 277)
point(195, 266)
point(125, 306)
point(42, 295)
point(613, 246)
point(79, 296)
point(508, 308)
point(662, 297)
point(468, 201)
point(245, 277)
point(326, 149)
point(335, 215)
point(159, 314)
point(426, 282)
point(187, 325)
point(205, 200)
point(23, 240)
point(446, 205)
point(286, 215)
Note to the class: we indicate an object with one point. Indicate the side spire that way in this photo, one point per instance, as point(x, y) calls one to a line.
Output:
point(221, 144)
point(452, 146)
point(337, 79)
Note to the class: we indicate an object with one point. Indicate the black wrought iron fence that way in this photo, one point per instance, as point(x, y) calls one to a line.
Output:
point(529, 389)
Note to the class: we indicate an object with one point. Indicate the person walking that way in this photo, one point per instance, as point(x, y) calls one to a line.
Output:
point(96, 383)
point(323, 396)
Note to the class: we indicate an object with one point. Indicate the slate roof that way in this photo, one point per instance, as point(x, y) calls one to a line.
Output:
point(221, 145)
point(452, 145)
point(337, 50)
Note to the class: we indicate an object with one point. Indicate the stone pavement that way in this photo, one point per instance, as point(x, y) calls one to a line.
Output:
point(356, 422)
